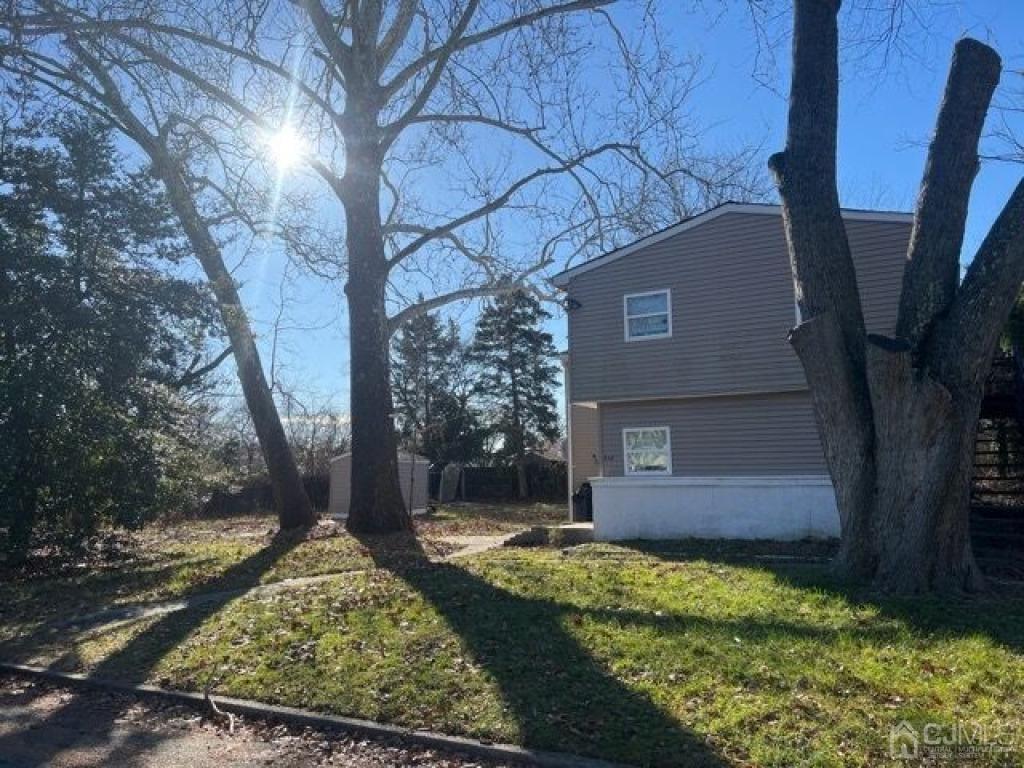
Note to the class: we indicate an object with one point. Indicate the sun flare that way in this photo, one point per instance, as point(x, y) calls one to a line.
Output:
point(286, 148)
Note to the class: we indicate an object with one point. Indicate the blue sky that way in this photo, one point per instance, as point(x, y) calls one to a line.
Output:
point(887, 113)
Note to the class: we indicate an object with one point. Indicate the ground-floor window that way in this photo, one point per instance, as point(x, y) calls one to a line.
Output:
point(647, 450)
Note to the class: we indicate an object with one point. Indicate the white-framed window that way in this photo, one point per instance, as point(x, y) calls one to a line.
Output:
point(647, 315)
point(647, 450)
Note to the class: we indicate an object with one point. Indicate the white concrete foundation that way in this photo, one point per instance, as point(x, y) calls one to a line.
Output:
point(783, 508)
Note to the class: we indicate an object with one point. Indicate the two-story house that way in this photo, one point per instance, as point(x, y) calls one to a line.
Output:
point(688, 411)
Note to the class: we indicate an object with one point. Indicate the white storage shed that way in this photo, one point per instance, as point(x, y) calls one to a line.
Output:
point(413, 476)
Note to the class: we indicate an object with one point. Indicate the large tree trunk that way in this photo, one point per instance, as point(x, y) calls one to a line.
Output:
point(290, 499)
point(919, 538)
point(902, 477)
point(897, 416)
point(376, 504)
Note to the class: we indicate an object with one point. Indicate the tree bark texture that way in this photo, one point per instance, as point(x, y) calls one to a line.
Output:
point(897, 416)
point(290, 499)
point(376, 504)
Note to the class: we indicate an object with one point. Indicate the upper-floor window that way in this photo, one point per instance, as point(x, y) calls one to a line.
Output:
point(648, 315)
point(647, 451)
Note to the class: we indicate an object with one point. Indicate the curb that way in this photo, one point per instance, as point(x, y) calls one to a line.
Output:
point(306, 718)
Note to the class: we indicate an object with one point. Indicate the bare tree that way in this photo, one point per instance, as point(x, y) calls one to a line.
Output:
point(317, 433)
point(479, 128)
point(1009, 134)
point(109, 83)
point(897, 416)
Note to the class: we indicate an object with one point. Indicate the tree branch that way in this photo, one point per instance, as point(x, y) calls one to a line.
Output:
point(966, 339)
point(478, 256)
point(500, 201)
point(397, 33)
point(70, 25)
point(436, 302)
point(524, 20)
point(227, 99)
point(806, 175)
point(442, 58)
point(933, 261)
point(340, 54)
point(193, 374)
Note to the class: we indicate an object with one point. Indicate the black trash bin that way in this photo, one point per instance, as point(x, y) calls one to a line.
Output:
point(583, 504)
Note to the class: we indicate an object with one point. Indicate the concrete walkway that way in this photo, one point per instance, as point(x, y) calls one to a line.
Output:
point(121, 614)
point(475, 545)
point(126, 613)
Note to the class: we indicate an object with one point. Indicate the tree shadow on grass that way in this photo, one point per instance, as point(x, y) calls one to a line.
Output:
point(43, 601)
point(997, 614)
point(561, 696)
point(135, 663)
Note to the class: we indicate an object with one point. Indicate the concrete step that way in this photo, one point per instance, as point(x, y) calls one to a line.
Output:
point(567, 535)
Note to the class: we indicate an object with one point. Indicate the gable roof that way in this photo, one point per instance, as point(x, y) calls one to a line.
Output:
point(561, 280)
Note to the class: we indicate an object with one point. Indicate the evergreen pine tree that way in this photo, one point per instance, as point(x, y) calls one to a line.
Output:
point(432, 392)
point(516, 376)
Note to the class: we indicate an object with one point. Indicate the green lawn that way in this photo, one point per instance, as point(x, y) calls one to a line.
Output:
point(684, 655)
point(196, 556)
point(489, 519)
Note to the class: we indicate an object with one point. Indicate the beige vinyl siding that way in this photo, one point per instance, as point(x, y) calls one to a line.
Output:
point(879, 254)
point(732, 306)
point(585, 442)
point(772, 434)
